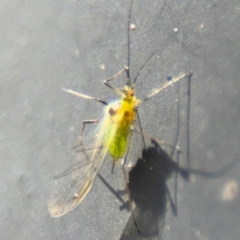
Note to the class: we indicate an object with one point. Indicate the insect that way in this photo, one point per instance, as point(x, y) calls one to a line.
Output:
point(113, 138)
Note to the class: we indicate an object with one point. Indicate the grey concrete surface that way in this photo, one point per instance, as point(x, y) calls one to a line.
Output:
point(49, 45)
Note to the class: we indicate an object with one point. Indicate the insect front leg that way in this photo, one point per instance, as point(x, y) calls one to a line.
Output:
point(106, 82)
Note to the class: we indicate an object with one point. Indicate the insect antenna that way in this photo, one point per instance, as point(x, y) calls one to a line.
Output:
point(129, 82)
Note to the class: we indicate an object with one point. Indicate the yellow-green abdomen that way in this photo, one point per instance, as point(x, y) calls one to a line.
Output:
point(119, 143)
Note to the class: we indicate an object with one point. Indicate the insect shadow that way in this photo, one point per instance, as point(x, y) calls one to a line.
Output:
point(150, 194)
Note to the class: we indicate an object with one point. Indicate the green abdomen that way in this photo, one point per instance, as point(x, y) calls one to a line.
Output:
point(119, 143)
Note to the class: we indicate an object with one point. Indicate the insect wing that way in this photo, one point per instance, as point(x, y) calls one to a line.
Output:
point(83, 175)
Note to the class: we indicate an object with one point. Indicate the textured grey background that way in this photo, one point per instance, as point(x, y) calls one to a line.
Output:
point(47, 45)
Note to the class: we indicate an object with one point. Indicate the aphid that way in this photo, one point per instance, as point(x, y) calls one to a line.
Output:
point(112, 139)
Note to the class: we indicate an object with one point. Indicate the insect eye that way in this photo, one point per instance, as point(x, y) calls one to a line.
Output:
point(126, 114)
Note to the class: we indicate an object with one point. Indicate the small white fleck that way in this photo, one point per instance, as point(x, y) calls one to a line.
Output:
point(130, 165)
point(229, 191)
point(102, 66)
point(77, 53)
point(132, 26)
point(75, 195)
point(175, 30)
point(167, 228)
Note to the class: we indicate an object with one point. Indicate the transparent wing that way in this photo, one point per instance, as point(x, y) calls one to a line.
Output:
point(83, 175)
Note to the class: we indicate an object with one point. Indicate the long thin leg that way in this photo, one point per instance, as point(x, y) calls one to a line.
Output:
point(111, 188)
point(88, 122)
point(141, 130)
point(85, 96)
point(165, 85)
point(83, 128)
point(106, 82)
